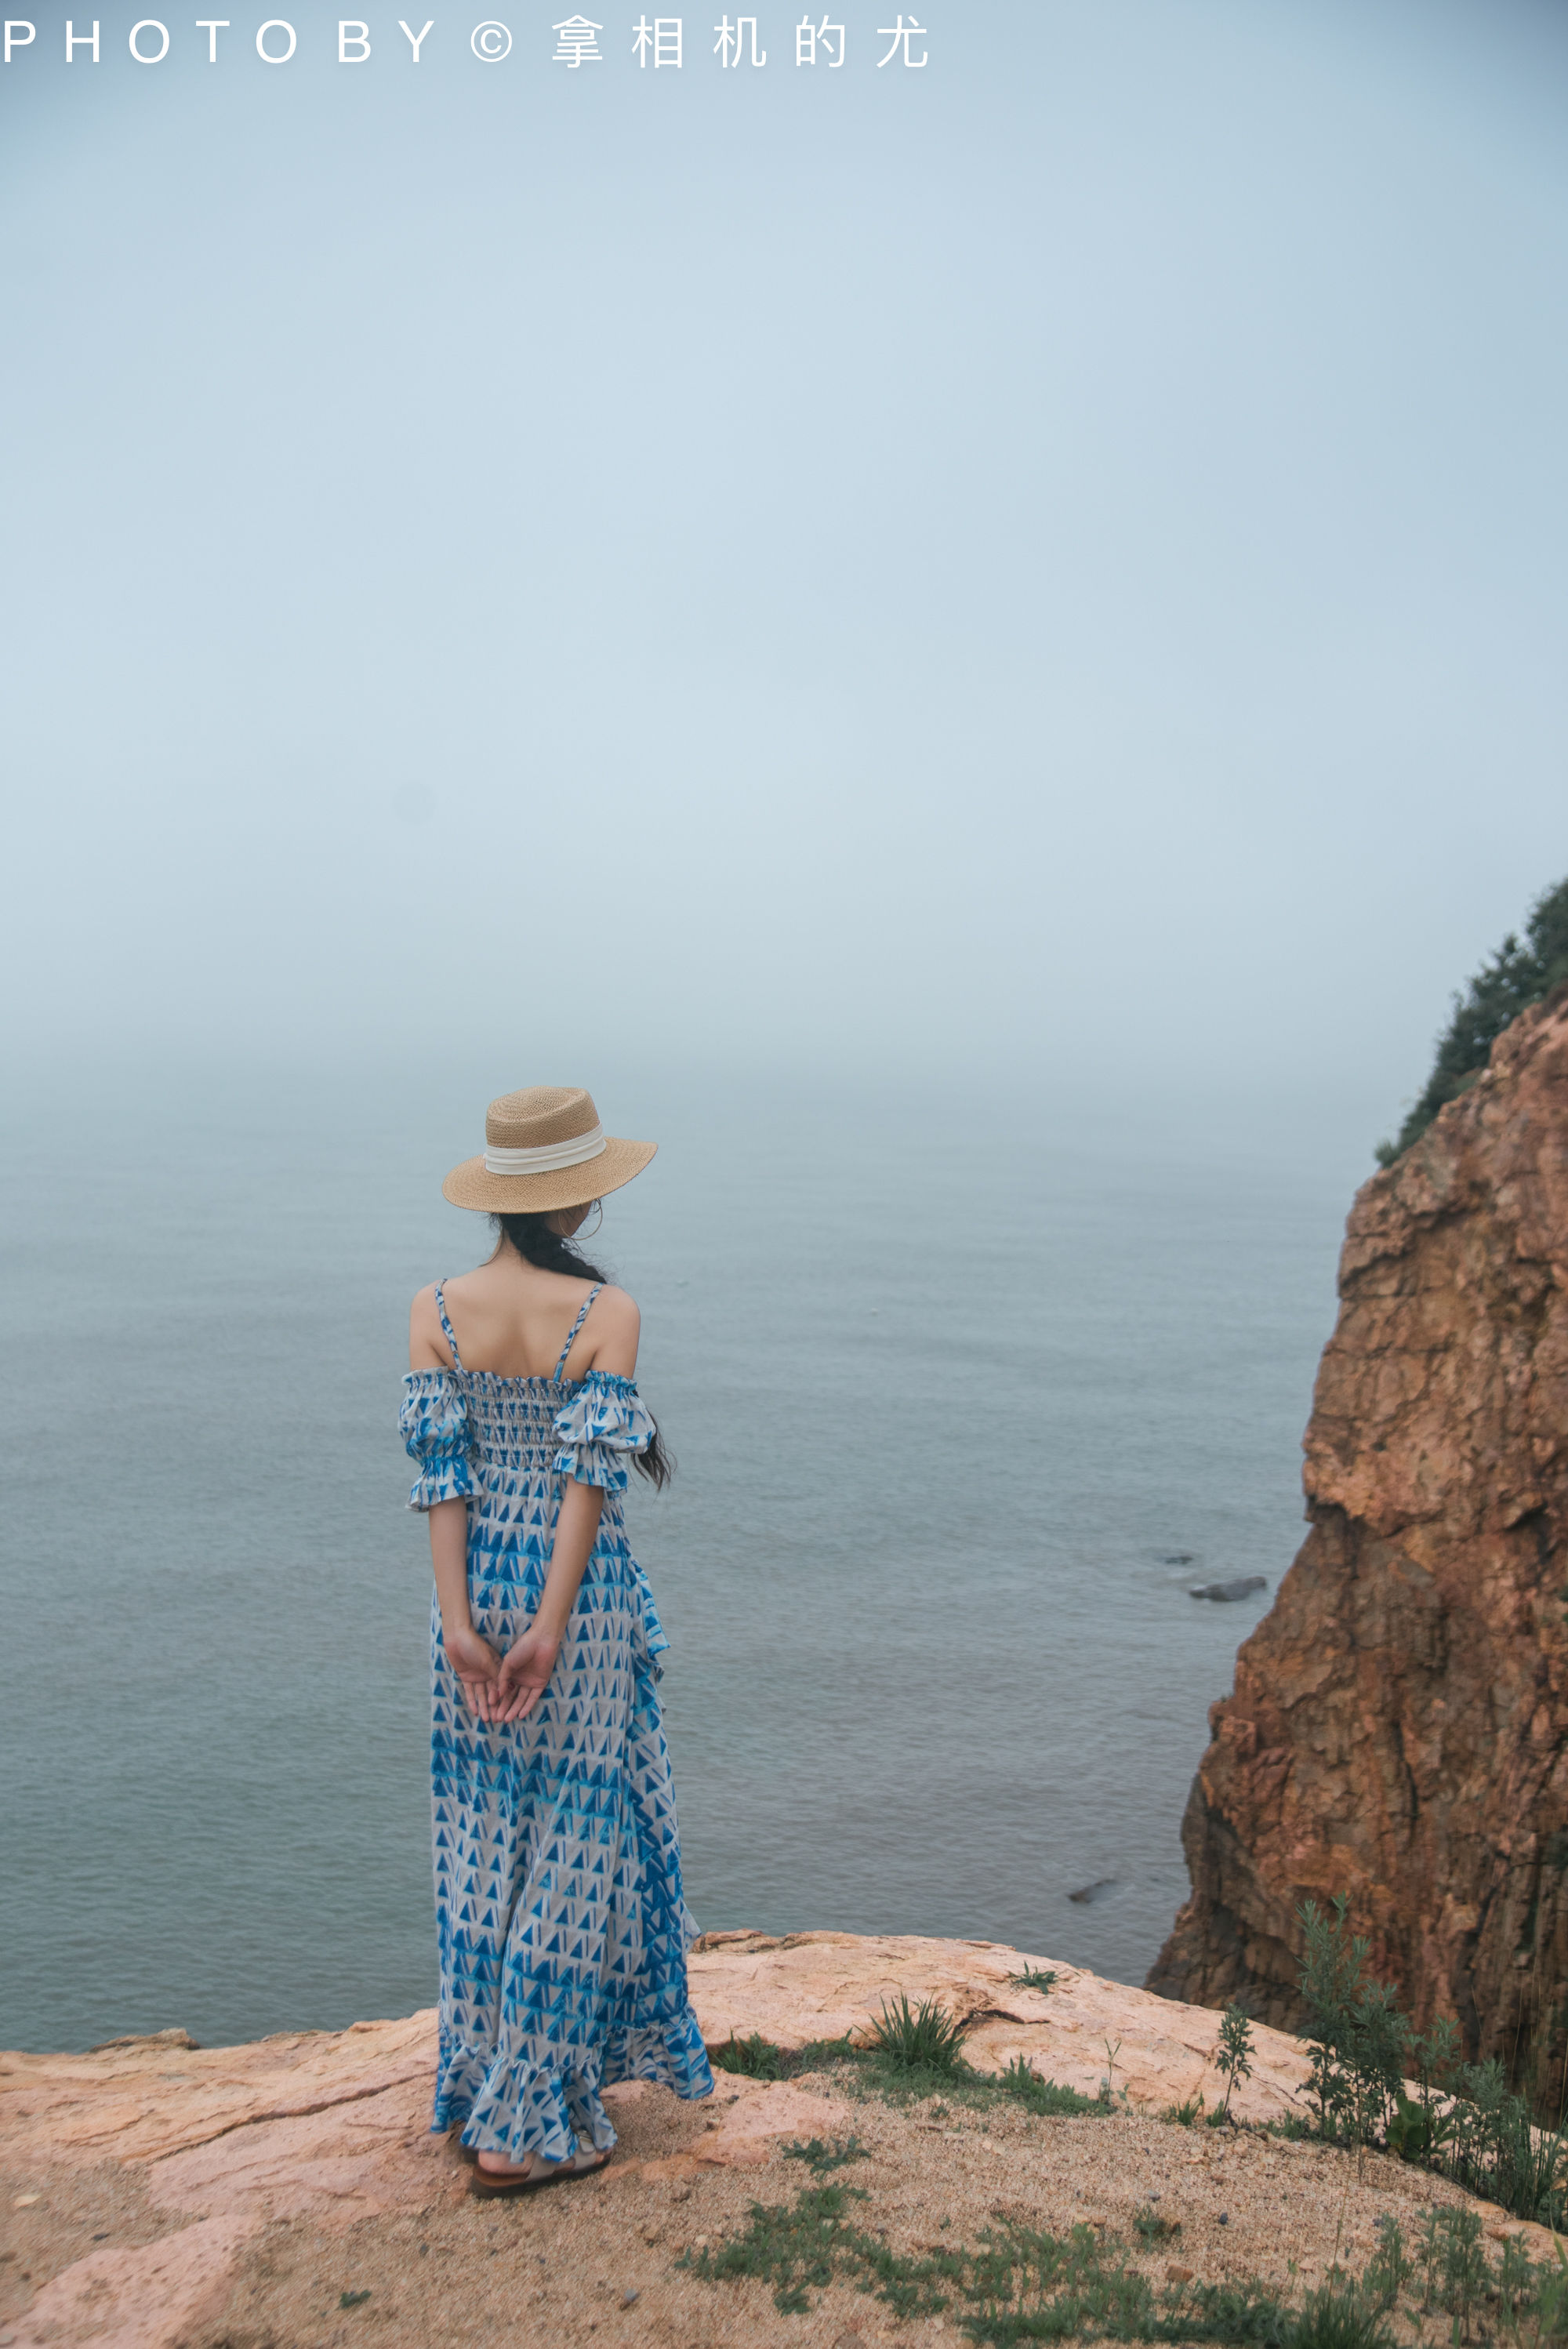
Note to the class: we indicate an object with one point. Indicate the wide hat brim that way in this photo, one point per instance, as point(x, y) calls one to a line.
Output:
point(472, 1185)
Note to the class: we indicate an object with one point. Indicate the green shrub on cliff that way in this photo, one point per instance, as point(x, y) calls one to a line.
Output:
point(1357, 2036)
point(1518, 974)
point(1468, 2125)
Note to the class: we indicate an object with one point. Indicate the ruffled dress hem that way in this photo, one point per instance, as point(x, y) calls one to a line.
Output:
point(522, 2105)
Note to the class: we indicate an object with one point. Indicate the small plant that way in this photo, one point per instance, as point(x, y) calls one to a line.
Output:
point(1455, 2272)
point(1410, 2131)
point(923, 2038)
point(1183, 2115)
point(815, 2054)
point(1338, 2315)
point(815, 2241)
point(1151, 2229)
point(1024, 2285)
point(1389, 2269)
point(1248, 2314)
point(1044, 2097)
point(1032, 1978)
point(1551, 2301)
point(822, 2159)
point(1358, 2037)
point(352, 2298)
point(1464, 2274)
point(1430, 2249)
point(754, 2059)
point(1517, 2286)
point(790, 2246)
point(1437, 2060)
point(1233, 2056)
point(1112, 2050)
point(1486, 2143)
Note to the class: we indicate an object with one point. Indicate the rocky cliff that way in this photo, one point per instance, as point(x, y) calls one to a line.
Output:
point(1400, 1718)
point(161, 2195)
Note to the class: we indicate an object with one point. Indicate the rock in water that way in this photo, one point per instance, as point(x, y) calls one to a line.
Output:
point(1242, 1587)
point(1399, 1726)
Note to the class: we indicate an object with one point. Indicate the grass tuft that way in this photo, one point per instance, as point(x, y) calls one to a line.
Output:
point(1184, 2115)
point(1339, 2316)
point(791, 2247)
point(1034, 1978)
point(923, 2038)
point(1151, 2229)
point(819, 2055)
point(820, 2159)
point(814, 2241)
point(1045, 2096)
point(754, 2059)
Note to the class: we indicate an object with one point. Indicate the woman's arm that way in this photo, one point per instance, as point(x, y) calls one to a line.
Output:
point(471, 1657)
point(525, 1672)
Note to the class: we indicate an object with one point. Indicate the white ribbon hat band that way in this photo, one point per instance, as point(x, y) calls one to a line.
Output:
point(550, 1157)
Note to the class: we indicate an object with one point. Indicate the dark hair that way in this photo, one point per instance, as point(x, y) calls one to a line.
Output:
point(538, 1242)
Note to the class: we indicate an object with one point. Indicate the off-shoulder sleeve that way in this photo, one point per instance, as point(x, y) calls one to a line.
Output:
point(605, 1421)
point(434, 1425)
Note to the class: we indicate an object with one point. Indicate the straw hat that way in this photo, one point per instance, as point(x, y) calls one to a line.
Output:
point(544, 1148)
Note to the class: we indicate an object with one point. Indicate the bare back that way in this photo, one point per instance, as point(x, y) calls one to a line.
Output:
point(512, 1318)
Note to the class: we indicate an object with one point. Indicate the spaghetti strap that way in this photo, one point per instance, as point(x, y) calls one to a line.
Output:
point(571, 1334)
point(441, 1309)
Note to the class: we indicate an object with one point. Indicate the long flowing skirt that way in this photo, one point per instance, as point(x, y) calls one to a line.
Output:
point(560, 1920)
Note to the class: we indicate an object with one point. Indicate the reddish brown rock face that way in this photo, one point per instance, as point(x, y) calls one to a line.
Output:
point(1399, 1726)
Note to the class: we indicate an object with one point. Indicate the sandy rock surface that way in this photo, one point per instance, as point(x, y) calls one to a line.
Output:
point(811, 1986)
point(161, 2195)
point(1399, 1726)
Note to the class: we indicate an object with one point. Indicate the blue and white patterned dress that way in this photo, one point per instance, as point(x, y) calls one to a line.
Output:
point(560, 1917)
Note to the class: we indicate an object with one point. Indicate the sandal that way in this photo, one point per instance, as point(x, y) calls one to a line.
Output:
point(485, 2188)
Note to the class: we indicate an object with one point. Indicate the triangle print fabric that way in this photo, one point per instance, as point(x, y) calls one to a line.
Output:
point(560, 1917)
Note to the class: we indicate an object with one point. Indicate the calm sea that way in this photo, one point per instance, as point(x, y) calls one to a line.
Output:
point(965, 1393)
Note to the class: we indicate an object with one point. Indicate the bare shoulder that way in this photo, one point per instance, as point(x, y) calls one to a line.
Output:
point(612, 1308)
point(427, 1349)
point(615, 1325)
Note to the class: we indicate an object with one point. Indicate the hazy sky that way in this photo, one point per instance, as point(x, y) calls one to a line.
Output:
point(1058, 559)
